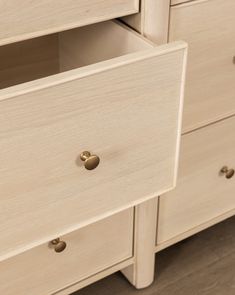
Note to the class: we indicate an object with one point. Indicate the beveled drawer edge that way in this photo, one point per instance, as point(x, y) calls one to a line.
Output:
point(180, 116)
point(90, 70)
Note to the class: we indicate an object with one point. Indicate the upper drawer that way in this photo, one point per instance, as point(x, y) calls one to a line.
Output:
point(126, 110)
point(29, 18)
point(209, 29)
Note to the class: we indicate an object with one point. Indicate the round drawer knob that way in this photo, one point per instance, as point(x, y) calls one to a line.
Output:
point(229, 173)
point(91, 161)
point(58, 245)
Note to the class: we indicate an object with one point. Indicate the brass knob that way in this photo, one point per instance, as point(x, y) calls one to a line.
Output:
point(58, 245)
point(228, 172)
point(91, 161)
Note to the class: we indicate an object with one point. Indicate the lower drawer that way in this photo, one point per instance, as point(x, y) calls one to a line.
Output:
point(42, 271)
point(203, 191)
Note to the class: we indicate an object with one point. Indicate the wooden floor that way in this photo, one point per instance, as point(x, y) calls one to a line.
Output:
point(201, 265)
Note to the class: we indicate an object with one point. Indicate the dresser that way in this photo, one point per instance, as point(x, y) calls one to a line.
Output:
point(116, 134)
point(90, 124)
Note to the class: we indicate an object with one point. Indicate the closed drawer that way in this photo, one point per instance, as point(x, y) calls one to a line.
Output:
point(42, 271)
point(25, 19)
point(203, 192)
point(126, 110)
point(209, 29)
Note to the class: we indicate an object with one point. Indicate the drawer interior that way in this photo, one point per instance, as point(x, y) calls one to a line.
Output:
point(52, 54)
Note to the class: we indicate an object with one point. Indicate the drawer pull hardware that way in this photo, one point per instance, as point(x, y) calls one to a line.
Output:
point(91, 161)
point(229, 173)
point(58, 245)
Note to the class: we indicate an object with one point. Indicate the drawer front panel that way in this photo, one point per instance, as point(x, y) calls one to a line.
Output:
point(126, 110)
point(209, 29)
point(25, 19)
point(202, 192)
point(42, 271)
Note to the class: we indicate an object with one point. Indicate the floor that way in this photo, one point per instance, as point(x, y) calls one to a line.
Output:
point(201, 265)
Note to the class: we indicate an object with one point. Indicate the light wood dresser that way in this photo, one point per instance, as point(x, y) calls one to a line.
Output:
point(91, 120)
point(90, 124)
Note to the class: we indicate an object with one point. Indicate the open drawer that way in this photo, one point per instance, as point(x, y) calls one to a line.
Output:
point(108, 91)
point(26, 19)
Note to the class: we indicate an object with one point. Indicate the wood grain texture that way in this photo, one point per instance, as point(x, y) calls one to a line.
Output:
point(203, 193)
point(204, 263)
point(81, 47)
point(25, 61)
point(27, 19)
point(89, 250)
point(152, 21)
point(181, 265)
point(209, 29)
point(97, 277)
point(110, 108)
point(141, 273)
point(195, 230)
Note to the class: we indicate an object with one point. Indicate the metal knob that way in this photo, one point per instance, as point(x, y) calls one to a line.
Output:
point(58, 245)
point(229, 173)
point(91, 161)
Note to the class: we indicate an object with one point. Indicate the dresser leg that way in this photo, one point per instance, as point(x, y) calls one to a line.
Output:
point(141, 273)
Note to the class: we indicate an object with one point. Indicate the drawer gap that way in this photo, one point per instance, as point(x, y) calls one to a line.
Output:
point(52, 54)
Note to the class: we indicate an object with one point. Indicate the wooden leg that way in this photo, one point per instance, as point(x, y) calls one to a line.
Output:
point(141, 273)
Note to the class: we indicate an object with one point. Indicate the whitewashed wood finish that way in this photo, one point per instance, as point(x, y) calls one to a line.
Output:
point(202, 193)
point(209, 28)
point(89, 250)
point(98, 276)
point(25, 61)
point(26, 19)
point(152, 21)
point(141, 273)
point(175, 2)
point(115, 39)
point(115, 109)
point(195, 230)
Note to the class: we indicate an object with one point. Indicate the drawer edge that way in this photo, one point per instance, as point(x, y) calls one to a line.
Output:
point(89, 70)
